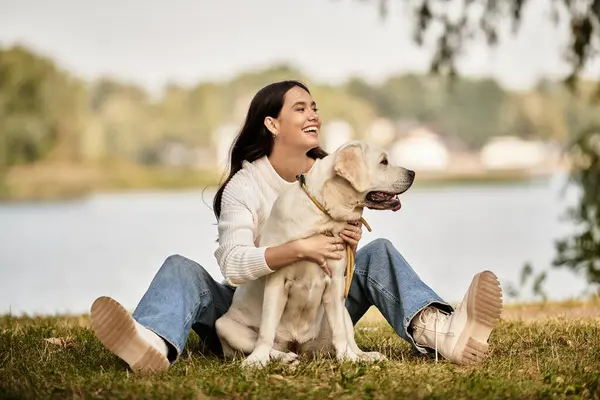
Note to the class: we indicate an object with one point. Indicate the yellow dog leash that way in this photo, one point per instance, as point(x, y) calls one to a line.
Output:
point(349, 252)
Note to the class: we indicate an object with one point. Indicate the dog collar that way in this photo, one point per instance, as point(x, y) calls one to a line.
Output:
point(350, 254)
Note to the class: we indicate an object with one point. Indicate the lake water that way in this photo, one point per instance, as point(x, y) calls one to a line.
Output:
point(57, 257)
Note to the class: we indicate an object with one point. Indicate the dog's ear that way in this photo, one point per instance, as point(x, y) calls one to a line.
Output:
point(350, 164)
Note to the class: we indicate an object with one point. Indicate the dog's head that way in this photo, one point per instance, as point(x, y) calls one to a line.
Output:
point(372, 174)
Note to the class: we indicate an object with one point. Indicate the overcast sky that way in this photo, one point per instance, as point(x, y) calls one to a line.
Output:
point(152, 42)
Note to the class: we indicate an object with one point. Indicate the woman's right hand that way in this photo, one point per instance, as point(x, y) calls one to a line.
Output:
point(319, 248)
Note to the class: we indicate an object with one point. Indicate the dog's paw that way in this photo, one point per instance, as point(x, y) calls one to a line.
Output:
point(255, 361)
point(347, 356)
point(284, 358)
point(371, 356)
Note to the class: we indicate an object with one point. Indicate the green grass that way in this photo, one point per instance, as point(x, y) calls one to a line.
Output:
point(555, 357)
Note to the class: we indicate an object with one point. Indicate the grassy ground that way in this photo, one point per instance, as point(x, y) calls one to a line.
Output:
point(533, 355)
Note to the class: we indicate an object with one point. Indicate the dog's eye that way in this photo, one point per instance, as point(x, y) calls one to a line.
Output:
point(384, 161)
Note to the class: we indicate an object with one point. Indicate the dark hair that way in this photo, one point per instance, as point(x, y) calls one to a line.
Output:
point(254, 140)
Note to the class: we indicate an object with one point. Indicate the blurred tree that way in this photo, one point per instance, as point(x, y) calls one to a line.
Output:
point(518, 121)
point(454, 25)
point(335, 103)
point(581, 251)
point(475, 109)
point(409, 96)
point(38, 108)
point(357, 87)
point(125, 119)
point(209, 109)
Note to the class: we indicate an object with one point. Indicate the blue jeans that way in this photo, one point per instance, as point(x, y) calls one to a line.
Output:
point(183, 296)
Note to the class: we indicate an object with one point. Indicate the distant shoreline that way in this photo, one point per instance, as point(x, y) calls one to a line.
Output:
point(56, 182)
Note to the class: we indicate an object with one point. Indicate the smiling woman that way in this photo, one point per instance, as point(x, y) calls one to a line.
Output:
point(277, 117)
point(279, 141)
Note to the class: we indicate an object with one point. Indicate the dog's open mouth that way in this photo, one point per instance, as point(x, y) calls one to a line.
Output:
point(383, 201)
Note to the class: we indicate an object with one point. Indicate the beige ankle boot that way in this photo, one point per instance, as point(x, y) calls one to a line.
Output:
point(462, 336)
point(138, 346)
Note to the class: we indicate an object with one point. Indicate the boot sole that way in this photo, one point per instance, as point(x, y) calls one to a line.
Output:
point(484, 308)
point(115, 328)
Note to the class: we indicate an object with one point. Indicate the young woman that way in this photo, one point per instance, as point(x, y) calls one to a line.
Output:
point(278, 141)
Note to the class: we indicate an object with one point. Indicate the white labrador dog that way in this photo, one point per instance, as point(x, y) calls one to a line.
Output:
point(284, 310)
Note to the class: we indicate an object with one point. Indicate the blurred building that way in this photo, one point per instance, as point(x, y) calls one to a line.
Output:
point(381, 132)
point(334, 134)
point(421, 149)
point(223, 138)
point(511, 152)
point(178, 153)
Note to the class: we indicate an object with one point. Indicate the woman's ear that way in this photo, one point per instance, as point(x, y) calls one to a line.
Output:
point(272, 125)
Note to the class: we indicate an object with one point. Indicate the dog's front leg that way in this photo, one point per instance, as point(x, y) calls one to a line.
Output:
point(333, 303)
point(368, 356)
point(274, 301)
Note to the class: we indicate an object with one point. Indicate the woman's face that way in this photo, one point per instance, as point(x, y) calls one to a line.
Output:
point(298, 124)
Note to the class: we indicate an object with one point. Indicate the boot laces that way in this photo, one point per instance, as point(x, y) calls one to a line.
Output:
point(435, 316)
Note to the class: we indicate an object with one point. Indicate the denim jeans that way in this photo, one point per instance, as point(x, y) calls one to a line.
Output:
point(183, 296)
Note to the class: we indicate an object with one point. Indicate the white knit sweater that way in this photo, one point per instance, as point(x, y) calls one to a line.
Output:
point(245, 206)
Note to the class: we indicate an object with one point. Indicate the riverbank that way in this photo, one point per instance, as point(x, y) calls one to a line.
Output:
point(58, 181)
point(555, 356)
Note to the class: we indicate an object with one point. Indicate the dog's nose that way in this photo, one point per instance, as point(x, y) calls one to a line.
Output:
point(411, 173)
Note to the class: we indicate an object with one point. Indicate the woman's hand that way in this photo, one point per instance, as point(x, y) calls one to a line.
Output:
point(352, 234)
point(319, 248)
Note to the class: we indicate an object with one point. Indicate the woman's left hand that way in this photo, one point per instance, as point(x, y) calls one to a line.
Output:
point(352, 234)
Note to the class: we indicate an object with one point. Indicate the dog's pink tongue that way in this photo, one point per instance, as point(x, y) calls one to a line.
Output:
point(399, 206)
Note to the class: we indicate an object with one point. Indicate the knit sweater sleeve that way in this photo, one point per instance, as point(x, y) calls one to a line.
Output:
point(239, 259)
